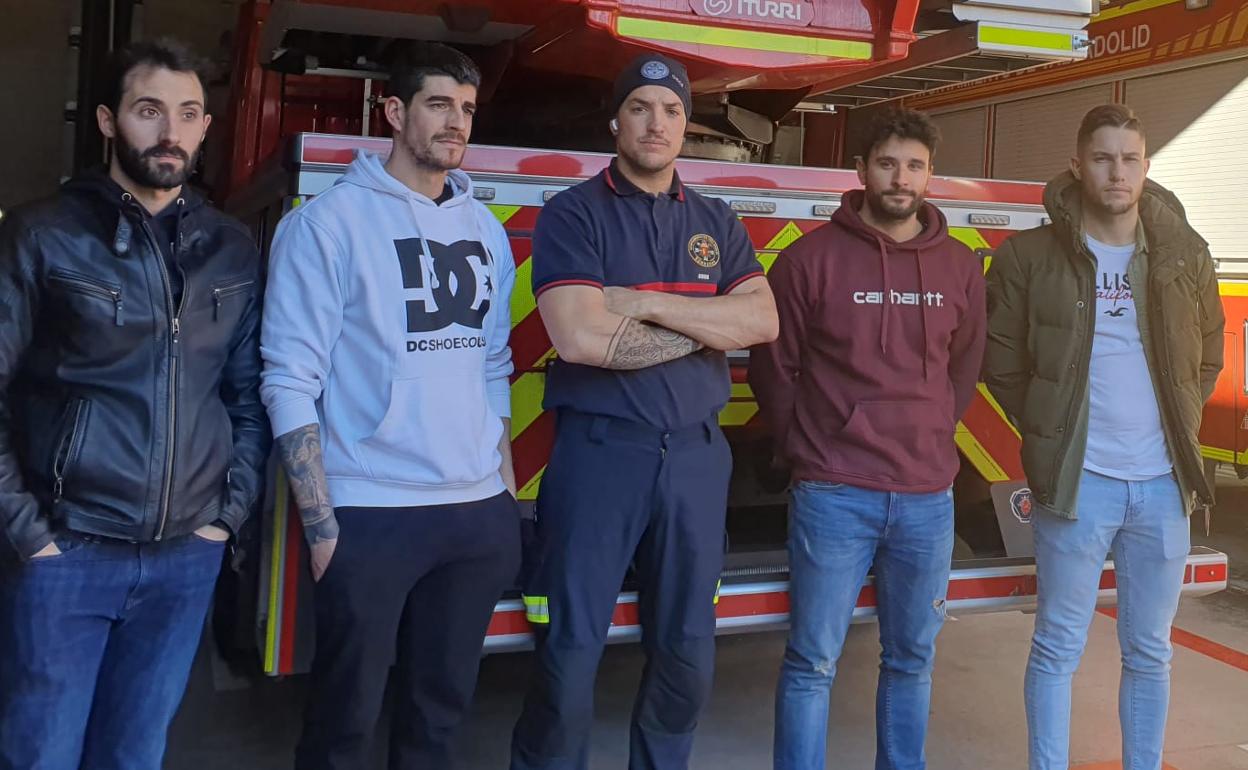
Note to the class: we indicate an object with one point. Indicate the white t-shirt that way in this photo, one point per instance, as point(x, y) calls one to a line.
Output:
point(1125, 438)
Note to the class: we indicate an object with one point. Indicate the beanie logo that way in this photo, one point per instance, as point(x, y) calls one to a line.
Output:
point(655, 70)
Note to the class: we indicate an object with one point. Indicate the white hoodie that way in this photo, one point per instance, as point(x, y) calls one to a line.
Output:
point(386, 321)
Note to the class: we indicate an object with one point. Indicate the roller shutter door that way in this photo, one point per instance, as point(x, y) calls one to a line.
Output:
point(1035, 138)
point(1196, 121)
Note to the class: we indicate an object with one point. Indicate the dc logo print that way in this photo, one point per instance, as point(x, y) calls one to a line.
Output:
point(452, 283)
point(1021, 505)
point(655, 70)
point(718, 7)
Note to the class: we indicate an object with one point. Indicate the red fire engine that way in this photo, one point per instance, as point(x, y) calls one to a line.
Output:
point(766, 75)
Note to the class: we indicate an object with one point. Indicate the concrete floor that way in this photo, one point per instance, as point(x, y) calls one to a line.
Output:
point(977, 711)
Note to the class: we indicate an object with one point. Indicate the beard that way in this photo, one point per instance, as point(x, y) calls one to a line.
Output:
point(434, 156)
point(884, 209)
point(1107, 205)
point(152, 167)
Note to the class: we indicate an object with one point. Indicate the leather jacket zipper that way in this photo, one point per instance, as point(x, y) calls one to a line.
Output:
point(219, 294)
point(175, 330)
point(65, 451)
point(94, 288)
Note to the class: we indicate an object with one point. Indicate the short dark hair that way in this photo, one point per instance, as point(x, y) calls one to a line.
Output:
point(165, 53)
point(418, 61)
point(903, 124)
point(1108, 115)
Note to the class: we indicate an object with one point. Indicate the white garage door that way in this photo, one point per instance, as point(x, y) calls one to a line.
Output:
point(1196, 121)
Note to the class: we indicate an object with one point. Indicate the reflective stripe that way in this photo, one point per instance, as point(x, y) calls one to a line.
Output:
point(1027, 38)
point(700, 34)
point(718, 584)
point(272, 631)
point(537, 609)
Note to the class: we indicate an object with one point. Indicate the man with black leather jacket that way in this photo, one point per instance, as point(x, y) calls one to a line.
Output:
point(132, 437)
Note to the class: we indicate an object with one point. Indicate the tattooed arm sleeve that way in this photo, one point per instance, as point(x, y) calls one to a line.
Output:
point(637, 345)
point(300, 450)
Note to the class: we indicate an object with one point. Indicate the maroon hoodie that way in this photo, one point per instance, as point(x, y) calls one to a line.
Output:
point(879, 352)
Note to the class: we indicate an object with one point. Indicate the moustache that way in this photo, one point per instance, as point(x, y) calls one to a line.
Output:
point(166, 152)
point(453, 136)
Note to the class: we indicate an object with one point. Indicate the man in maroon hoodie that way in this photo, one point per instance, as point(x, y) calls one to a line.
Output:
point(882, 324)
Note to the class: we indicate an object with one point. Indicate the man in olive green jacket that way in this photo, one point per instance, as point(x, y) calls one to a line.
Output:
point(1104, 341)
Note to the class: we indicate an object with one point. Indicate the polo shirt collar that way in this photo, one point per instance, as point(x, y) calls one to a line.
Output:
point(620, 184)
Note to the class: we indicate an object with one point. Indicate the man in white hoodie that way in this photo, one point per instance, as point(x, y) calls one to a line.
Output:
point(386, 380)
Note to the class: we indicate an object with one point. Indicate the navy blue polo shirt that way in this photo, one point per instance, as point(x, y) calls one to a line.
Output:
point(608, 232)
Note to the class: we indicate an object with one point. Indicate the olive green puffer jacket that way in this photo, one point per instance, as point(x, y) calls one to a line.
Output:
point(1041, 320)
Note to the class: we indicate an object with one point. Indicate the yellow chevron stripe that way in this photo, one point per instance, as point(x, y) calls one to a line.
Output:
point(978, 456)
point(1219, 32)
point(1233, 288)
point(1241, 25)
point(970, 237)
point(529, 490)
point(767, 259)
point(522, 300)
point(738, 412)
point(526, 401)
point(785, 238)
point(983, 391)
point(742, 390)
point(503, 213)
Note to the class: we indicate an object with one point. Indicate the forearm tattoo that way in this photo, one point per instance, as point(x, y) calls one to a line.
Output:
point(637, 345)
point(300, 450)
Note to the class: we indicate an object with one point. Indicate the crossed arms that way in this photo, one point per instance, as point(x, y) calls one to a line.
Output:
point(617, 328)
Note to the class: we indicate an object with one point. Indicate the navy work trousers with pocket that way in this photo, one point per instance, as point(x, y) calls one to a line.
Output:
point(616, 493)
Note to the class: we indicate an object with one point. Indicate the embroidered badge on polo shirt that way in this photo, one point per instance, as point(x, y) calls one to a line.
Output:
point(704, 250)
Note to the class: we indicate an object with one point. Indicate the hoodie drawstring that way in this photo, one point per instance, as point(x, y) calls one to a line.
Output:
point(884, 306)
point(426, 254)
point(918, 257)
point(125, 230)
point(181, 216)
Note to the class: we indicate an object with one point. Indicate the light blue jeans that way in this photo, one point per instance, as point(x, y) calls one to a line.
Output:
point(836, 533)
point(1145, 525)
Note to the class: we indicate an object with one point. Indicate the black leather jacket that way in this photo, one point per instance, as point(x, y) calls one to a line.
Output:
point(122, 415)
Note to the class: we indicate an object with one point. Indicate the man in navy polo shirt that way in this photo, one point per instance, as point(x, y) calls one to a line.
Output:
point(642, 284)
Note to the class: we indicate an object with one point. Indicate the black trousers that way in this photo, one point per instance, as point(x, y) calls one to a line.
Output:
point(414, 588)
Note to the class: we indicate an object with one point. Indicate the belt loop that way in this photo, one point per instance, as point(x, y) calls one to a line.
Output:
point(598, 429)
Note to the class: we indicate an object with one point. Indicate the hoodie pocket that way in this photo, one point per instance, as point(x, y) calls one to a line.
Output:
point(436, 430)
point(900, 440)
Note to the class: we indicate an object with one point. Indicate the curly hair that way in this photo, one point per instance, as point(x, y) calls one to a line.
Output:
point(904, 124)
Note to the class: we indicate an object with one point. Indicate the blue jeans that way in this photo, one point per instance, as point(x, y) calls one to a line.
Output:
point(1145, 525)
point(95, 649)
point(836, 533)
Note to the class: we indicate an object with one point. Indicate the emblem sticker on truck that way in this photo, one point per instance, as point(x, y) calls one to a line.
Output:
point(1021, 505)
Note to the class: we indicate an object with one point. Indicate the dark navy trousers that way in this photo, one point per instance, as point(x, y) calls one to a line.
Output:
point(412, 588)
point(617, 493)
